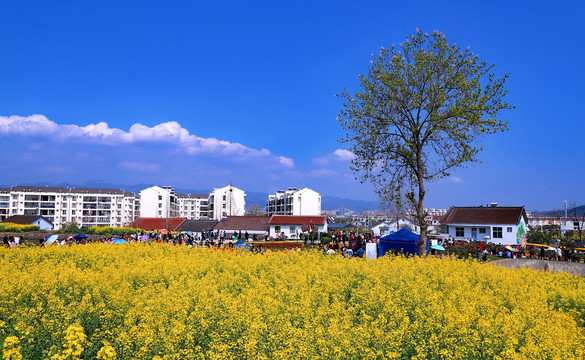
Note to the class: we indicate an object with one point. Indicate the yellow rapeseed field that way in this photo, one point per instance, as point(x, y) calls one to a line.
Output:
point(140, 301)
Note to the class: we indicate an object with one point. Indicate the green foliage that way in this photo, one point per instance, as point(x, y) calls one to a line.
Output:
point(325, 240)
point(70, 227)
point(464, 251)
point(538, 237)
point(18, 228)
point(420, 111)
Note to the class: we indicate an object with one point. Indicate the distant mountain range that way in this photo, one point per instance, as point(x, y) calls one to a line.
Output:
point(578, 211)
point(252, 198)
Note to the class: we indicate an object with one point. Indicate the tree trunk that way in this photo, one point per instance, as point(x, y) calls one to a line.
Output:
point(420, 208)
point(422, 242)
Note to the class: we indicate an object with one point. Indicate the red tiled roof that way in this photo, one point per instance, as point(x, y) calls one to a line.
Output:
point(297, 220)
point(157, 223)
point(24, 219)
point(483, 215)
point(249, 223)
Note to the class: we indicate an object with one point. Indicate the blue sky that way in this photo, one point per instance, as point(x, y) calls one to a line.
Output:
point(193, 94)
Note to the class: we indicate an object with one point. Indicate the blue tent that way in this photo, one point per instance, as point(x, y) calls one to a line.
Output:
point(403, 240)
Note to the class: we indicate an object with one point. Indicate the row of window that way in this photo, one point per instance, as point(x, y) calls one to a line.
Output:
point(497, 232)
point(291, 229)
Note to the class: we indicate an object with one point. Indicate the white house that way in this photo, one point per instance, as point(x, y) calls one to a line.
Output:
point(158, 202)
point(303, 202)
point(36, 220)
point(499, 225)
point(226, 201)
point(292, 226)
point(383, 228)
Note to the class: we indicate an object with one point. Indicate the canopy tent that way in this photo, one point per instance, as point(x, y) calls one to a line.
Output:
point(403, 240)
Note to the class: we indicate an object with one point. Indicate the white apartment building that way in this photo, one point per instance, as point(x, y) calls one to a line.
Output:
point(303, 202)
point(4, 203)
point(163, 202)
point(192, 206)
point(158, 202)
point(226, 201)
point(85, 206)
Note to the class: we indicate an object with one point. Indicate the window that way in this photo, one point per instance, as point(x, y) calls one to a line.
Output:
point(482, 230)
point(444, 229)
point(159, 197)
point(509, 229)
point(459, 232)
point(159, 205)
point(292, 229)
point(277, 229)
point(497, 232)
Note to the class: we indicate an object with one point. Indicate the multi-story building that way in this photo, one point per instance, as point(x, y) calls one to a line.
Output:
point(303, 202)
point(84, 206)
point(4, 203)
point(163, 202)
point(100, 207)
point(193, 206)
point(226, 201)
point(158, 202)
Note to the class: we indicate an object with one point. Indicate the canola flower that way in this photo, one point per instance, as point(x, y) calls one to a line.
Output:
point(157, 301)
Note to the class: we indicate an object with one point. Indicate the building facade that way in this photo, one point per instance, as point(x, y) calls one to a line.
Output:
point(193, 206)
point(158, 202)
point(4, 203)
point(86, 207)
point(226, 201)
point(303, 202)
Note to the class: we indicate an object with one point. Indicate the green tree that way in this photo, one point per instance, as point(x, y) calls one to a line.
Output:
point(421, 110)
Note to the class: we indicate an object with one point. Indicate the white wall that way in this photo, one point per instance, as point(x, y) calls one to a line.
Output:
point(292, 233)
point(508, 237)
point(227, 201)
point(307, 202)
point(151, 206)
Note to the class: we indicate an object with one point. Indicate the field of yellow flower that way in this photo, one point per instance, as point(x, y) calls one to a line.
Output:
point(172, 302)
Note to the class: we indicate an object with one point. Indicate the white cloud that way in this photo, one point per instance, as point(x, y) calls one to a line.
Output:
point(344, 155)
point(169, 132)
point(139, 166)
point(338, 155)
point(288, 162)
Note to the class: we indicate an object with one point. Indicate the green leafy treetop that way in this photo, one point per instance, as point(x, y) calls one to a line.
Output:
point(419, 113)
